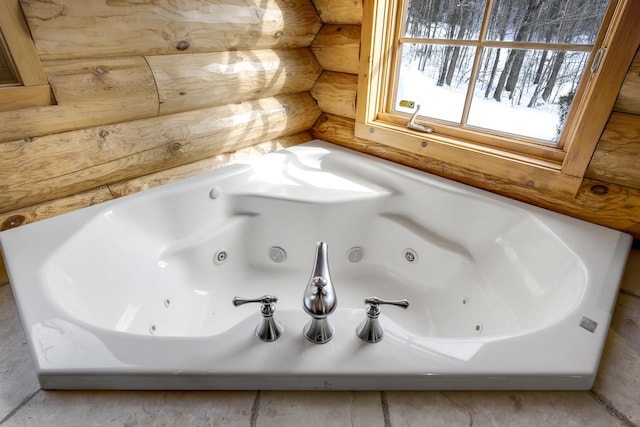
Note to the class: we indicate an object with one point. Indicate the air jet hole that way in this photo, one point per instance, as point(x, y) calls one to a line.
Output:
point(410, 255)
point(220, 257)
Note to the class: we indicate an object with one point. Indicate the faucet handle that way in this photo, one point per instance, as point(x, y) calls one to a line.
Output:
point(370, 329)
point(266, 300)
point(375, 302)
point(269, 329)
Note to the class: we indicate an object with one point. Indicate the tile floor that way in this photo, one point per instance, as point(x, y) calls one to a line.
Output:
point(614, 400)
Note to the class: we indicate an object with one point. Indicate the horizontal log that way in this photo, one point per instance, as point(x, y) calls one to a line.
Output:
point(628, 100)
point(166, 176)
point(122, 81)
point(336, 93)
point(67, 29)
point(617, 156)
point(89, 93)
point(111, 90)
point(337, 48)
point(52, 208)
point(339, 11)
point(50, 167)
point(189, 82)
point(607, 204)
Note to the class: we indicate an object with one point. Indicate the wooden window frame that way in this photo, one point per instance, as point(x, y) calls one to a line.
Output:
point(34, 90)
point(548, 168)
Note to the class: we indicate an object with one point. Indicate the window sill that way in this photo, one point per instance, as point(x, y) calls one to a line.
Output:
point(19, 97)
point(533, 172)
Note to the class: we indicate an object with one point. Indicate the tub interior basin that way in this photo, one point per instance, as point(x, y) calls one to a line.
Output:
point(170, 263)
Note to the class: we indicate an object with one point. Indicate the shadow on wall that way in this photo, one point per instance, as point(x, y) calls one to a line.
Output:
point(220, 74)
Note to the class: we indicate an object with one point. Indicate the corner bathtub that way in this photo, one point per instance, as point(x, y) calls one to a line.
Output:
point(137, 293)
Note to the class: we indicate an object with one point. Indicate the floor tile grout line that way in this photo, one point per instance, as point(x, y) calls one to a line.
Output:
point(385, 409)
point(459, 406)
point(606, 404)
point(20, 406)
point(255, 409)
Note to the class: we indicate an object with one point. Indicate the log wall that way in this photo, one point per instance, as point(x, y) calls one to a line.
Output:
point(609, 195)
point(141, 87)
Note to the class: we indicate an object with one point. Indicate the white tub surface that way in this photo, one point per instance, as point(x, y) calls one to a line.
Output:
point(130, 294)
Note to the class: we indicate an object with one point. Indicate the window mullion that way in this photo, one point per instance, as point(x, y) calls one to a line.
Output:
point(472, 86)
point(394, 72)
point(476, 64)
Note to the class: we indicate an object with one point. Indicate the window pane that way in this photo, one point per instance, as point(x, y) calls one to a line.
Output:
point(548, 21)
point(526, 92)
point(448, 20)
point(6, 74)
point(435, 77)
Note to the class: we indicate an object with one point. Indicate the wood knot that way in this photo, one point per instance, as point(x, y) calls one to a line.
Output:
point(99, 71)
point(176, 146)
point(12, 222)
point(183, 45)
point(599, 189)
point(104, 134)
point(278, 34)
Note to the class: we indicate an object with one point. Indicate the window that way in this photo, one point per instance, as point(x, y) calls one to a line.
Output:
point(7, 75)
point(508, 66)
point(500, 82)
point(22, 80)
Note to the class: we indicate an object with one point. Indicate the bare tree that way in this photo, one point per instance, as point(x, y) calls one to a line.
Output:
point(510, 72)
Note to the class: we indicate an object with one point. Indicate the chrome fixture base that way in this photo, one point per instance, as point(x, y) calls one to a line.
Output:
point(318, 331)
point(370, 329)
point(269, 329)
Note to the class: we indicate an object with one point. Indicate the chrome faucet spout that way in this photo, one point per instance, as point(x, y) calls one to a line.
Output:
point(319, 298)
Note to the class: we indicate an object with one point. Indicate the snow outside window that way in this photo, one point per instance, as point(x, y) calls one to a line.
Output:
point(499, 66)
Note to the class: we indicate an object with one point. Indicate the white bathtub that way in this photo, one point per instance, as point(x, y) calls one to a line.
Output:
point(137, 293)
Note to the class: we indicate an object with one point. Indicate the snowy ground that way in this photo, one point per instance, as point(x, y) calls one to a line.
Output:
point(445, 103)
